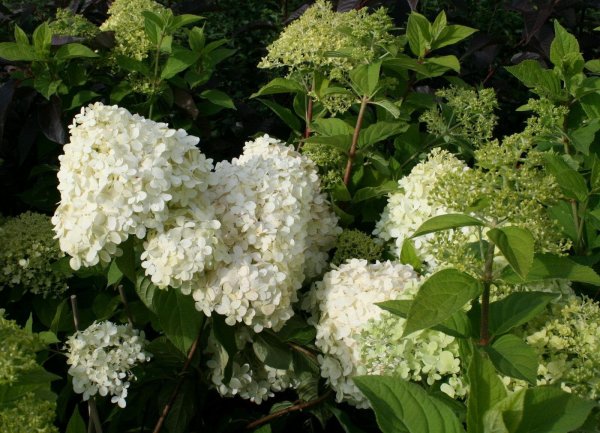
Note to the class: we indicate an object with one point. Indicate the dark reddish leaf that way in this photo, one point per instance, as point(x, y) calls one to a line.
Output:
point(297, 13)
point(185, 101)
point(50, 121)
point(103, 40)
point(413, 4)
point(6, 96)
point(58, 40)
point(348, 5)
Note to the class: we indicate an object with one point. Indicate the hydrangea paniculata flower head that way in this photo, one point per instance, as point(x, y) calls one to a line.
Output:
point(276, 227)
point(357, 337)
point(118, 176)
point(101, 358)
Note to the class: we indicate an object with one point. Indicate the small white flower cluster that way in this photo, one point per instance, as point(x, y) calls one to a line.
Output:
point(276, 226)
point(101, 358)
point(252, 381)
point(413, 204)
point(355, 335)
point(119, 175)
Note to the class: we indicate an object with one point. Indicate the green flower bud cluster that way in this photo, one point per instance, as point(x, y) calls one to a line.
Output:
point(25, 413)
point(309, 43)
point(467, 119)
point(354, 244)
point(126, 20)
point(67, 23)
point(28, 252)
point(329, 162)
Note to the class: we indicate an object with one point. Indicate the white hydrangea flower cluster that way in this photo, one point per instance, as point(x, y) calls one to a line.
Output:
point(276, 227)
point(119, 175)
point(254, 381)
point(352, 332)
point(414, 204)
point(101, 358)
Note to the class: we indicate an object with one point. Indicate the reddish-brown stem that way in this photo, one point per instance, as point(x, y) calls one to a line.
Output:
point(293, 408)
point(352, 152)
point(186, 365)
point(309, 113)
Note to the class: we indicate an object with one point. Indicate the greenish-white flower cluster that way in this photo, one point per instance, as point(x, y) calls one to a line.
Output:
point(250, 379)
point(357, 337)
point(310, 42)
point(27, 254)
point(125, 18)
point(22, 412)
point(68, 23)
point(354, 244)
point(567, 340)
point(329, 162)
point(101, 358)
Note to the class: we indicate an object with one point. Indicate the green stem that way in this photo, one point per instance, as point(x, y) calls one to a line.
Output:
point(352, 152)
point(484, 332)
point(155, 78)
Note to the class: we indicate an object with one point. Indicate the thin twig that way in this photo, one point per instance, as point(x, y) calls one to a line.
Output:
point(126, 305)
point(352, 152)
point(169, 405)
point(303, 350)
point(293, 408)
point(92, 408)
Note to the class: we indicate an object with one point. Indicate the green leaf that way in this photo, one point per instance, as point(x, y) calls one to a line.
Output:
point(440, 296)
point(548, 266)
point(458, 325)
point(401, 406)
point(218, 98)
point(571, 182)
point(379, 131)
point(486, 389)
point(284, 114)
point(279, 85)
point(418, 33)
point(197, 39)
point(76, 423)
point(331, 126)
point(152, 30)
point(542, 81)
point(370, 192)
point(114, 274)
point(564, 51)
point(126, 261)
point(344, 420)
point(593, 66)
point(583, 137)
point(20, 36)
point(446, 222)
point(365, 78)
point(155, 18)
point(513, 357)
point(271, 351)
point(225, 335)
point(179, 60)
point(176, 313)
point(517, 245)
point(387, 105)
point(339, 142)
point(450, 35)
point(296, 330)
point(133, 65)
point(450, 62)
point(541, 409)
point(73, 51)
point(42, 39)
point(185, 20)
point(14, 52)
point(409, 255)
point(81, 98)
point(517, 309)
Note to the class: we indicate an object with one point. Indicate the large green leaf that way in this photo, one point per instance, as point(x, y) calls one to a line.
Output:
point(458, 325)
point(218, 98)
point(486, 389)
point(513, 357)
point(450, 35)
point(76, 423)
point(440, 296)
point(517, 246)
point(543, 409)
point(548, 266)
point(370, 192)
point(446, 222)
point(179, 60)
point(15, 52)
point(418, 33)
point(517, 309)
point(331, 127)
point(379, 131)
point(450, 62)
point(284, 114)
point(403, 407)
point(365, 78)
point(271, 351)
point(409, 255)
point(564, 51)
point(73, 51)
point(176, 313)
point(543, 81)
point(225, 336)
point(279, 85)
